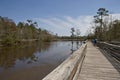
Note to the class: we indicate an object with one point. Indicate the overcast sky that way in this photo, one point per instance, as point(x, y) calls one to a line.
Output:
point(58, 16)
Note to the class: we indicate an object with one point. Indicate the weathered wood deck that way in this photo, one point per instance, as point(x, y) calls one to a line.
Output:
point(96, 66)
point(87, 63)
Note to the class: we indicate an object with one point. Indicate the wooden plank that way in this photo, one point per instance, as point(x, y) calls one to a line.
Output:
point(96, 66)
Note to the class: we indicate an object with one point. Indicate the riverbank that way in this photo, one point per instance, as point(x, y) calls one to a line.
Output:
point(23, 41)
point(19, 42)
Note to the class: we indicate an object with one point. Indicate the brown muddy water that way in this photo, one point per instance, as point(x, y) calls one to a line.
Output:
point(33, 61)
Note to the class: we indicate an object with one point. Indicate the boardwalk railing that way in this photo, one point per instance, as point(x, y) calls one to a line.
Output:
point(70, 68)
point(113, 50)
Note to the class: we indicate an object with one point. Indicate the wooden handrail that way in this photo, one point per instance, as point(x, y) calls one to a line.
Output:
point(70, 68)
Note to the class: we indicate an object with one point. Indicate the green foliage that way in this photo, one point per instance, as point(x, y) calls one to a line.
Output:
point(8, 40)
point(10, 33)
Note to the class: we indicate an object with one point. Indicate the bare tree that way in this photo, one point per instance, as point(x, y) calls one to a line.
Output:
point(72, 32)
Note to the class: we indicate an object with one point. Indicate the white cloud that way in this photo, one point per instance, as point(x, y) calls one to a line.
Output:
point(62, 25)
point(116, 16)
point(81, 22)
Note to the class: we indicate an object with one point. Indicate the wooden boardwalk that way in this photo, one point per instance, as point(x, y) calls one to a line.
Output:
point(96, 66)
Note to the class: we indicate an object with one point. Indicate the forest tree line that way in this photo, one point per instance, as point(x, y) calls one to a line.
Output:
point(106, 28)
point(12, 33)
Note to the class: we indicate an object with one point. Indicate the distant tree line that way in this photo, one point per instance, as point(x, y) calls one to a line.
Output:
point(69, 38)
point(75, 35)
point(105, 28)
point(12, 33)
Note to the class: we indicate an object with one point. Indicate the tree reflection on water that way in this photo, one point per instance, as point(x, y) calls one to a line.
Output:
point(9, 55)
point(78, 44)
point(35, 60)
